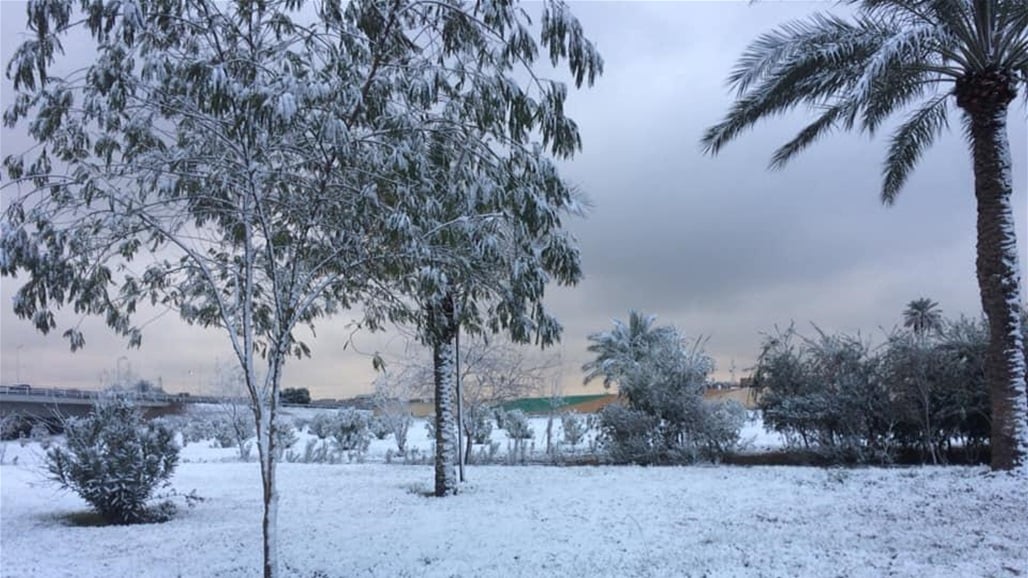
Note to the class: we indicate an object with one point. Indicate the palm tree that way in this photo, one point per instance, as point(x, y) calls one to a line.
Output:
point(922, 316)
point(924, 56)
point(622, 351)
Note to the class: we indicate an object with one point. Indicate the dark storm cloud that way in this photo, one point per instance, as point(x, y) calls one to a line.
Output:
point(718, 246)
point(724, 247)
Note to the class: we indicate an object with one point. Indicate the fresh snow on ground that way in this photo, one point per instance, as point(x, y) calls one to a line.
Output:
point(373, 519)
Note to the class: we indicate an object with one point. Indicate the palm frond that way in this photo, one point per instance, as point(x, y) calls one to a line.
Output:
point(815, 130)
point(909, 142)
point(895, 90)
point(901, 50)
point(1012, 33)
point(956, 18)
point(815, 72)
point(785, 43)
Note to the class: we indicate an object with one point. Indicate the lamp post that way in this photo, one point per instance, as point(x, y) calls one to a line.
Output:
point(121, 375)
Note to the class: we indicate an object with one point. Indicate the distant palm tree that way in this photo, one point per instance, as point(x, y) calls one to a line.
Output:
point(619, 352)
point(922, 316)
point(926, 54)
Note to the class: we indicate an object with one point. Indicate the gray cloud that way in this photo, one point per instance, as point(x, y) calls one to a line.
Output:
point(719, 246)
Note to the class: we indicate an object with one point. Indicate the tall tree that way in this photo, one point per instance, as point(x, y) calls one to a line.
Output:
point(922, 316)
point(211, 159)
point(491, 236)
point(928, 55)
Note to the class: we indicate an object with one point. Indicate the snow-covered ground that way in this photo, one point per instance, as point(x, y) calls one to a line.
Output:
point(373, 519)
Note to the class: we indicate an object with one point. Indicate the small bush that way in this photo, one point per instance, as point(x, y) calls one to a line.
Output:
point(516, 424)
point(351, 430)
point(627, 435)
point(314, 452)
point(285, 436)
point(479, 425)
point(380, 427)
point(233, 429)
point(321, 425)
point(15, 426)
point(718, 431)
point(115, 462)
point(574, 427)
point(518, 430)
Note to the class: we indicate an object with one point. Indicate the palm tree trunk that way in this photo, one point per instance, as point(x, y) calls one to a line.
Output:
point(442, 329)
point(999, 281)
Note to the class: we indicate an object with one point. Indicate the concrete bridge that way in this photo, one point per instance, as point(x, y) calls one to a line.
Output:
point(52, 403)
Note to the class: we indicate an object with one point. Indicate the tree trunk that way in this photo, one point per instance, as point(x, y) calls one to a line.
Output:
point(999, 282)
point(442, 330)
point(269, 524)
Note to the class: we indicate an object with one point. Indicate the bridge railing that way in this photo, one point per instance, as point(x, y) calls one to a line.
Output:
point(57, 394)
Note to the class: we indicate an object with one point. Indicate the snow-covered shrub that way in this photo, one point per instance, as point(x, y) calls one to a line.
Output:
point(391, 401)
point(379, 427)
point(519, 431)
point(574, 427)
point(517, 426)
point(301, 423)
point(285, 436)
point(229, 430)
point(661, 379)
point(399, 424)
point(718, 431)
point(15, 426)
point(351, 430)
point(321, 425)
point(478, 424)
point(826, 394)
point(196, 429)
point(234, 430)
point(41, 434)
point(114, 461)
point(627, 435)
point(314, 452)
point(938, 389)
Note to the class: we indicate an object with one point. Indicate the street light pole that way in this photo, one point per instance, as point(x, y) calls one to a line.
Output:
point(121, 375)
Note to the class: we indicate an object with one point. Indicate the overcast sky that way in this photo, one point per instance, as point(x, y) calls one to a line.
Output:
point(720, 247)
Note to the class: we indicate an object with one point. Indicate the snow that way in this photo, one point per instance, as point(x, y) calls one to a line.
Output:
point(374, 519)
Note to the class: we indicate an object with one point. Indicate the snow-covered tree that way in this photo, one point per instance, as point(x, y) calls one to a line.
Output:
point(653, 368)
point(232, 422)
point(659, 375)
point(937, 388)
point(925, 56)
point(493, 370)
point(492, 232)
point(826, 393)
point(393, 394)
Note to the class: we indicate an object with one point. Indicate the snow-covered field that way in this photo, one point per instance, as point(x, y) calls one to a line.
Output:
point(373, 519)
